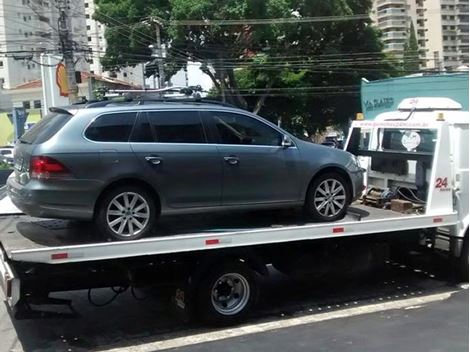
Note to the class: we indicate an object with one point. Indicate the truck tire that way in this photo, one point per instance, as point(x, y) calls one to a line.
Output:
point(226, 294)
point(126, 213)
point(328, 197)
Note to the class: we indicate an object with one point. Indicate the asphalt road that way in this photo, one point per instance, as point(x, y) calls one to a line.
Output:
point(384, 311)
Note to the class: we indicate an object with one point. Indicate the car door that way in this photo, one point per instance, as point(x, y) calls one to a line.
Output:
point(176, 158)
point(256, 167)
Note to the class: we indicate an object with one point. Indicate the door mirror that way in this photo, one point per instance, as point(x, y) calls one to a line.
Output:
point(287, 142)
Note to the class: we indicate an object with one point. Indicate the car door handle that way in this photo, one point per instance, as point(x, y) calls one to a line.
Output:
point(232, 160)
point(154, 160)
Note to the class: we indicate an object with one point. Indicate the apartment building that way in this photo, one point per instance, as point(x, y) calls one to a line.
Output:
point(441, 29)
point(29, 28)
point(97, 43)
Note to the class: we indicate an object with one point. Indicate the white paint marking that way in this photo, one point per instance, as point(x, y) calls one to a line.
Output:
point(178, 342)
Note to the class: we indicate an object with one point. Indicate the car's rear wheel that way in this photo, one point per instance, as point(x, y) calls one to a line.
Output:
point(126, 213)
point(328, 197)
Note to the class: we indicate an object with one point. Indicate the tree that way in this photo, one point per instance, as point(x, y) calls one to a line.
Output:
point(411, 52)
point(305, 75)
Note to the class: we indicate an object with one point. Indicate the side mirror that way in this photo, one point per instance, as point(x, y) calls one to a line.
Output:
point(287, 142)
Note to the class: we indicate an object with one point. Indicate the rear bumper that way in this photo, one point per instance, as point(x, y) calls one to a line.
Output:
point(61, 200)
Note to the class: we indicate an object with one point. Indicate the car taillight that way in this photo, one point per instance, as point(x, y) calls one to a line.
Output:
point(44, 167)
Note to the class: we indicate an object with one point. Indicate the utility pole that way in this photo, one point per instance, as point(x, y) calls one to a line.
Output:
point(67, 50)
point(158, 52)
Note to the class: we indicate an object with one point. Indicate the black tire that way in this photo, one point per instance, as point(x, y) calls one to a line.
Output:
point(143, 196)
point(212, 313)
point(318, 182)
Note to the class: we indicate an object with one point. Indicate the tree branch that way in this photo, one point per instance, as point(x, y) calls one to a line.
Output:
point(262, 99)
point(234, 89)
point(206, 70)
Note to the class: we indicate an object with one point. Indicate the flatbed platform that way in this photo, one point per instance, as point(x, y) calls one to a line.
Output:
point(57, 241)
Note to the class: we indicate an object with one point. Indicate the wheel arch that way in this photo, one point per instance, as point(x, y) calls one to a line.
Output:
point(127, 182)
point(331, 169)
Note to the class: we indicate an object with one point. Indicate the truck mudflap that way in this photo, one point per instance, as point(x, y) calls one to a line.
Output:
point(9, 282)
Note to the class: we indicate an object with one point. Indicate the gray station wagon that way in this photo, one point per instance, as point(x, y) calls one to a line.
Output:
point(125, 165)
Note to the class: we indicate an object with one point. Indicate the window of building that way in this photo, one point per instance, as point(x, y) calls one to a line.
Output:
point(37, 104)
point(1, 64)
point(88, 27)
point(124, 74)
point(111, 127)
point(86, 5)
point(87, 16)
point(2, 80)
point(177, 127)
point(29, 66)
point(27, 104)
point(89, 39)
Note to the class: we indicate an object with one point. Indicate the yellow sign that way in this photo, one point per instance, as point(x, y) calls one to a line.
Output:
point(61, 80)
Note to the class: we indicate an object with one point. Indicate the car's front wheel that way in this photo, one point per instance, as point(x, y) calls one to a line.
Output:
point(328, 197)
point(126, 213)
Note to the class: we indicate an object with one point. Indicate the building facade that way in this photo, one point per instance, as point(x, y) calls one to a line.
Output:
point(441, 29)
point(97, 44)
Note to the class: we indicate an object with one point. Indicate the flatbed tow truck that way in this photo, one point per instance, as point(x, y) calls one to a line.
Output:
point(213, 262)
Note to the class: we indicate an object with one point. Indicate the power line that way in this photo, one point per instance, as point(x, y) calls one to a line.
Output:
point(318, 19)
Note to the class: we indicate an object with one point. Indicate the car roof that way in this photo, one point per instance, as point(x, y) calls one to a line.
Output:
point(164, 105)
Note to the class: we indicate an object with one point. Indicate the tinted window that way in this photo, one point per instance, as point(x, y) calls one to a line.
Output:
point(177, 126)
point(45, 128)
point(241, 129)
point(111, 127)
point(142, 131)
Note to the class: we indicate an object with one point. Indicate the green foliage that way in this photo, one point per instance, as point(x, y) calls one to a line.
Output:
point(305, 75)
point(411, 52)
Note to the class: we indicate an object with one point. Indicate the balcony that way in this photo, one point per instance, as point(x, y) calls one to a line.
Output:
point(394, 47)
point(462, 19)
point(391, 12)
point(449, 32)
point(394, 35)
point(392, 24)
point(390, 2)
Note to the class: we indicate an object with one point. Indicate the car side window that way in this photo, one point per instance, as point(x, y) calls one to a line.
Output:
point(244, 130)
point(142, 132)
point(115, 127)
point(177, 126)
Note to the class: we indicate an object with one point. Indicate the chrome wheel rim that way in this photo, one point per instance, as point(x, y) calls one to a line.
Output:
point(128, 214)
point(330, 197)
point(230, 294)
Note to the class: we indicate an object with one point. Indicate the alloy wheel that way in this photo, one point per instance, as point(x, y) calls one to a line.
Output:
point(128, 214)
point(330, 197)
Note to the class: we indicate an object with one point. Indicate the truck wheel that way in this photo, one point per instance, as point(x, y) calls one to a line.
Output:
point(126, 213)
point(328, 197)
point(226, 294)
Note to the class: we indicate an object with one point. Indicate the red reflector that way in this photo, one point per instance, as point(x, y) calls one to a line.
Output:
point(44, 167)
point(59, 256)
point(338, 229)
point(437, 220)
point(209, 242)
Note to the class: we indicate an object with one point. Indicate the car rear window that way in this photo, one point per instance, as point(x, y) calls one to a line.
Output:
point(115, 127)
point(45, 128)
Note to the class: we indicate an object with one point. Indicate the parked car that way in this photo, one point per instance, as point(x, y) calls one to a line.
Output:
point(124, 166)
point(6, 155)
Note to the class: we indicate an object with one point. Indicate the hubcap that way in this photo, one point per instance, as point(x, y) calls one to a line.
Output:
point(128, 214)
point(330, 197)
point(230, 294)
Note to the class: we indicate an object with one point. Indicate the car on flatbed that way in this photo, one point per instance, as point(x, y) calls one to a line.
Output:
point(123, 166)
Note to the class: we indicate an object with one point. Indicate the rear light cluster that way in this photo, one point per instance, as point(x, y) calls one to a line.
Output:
point(44, 167)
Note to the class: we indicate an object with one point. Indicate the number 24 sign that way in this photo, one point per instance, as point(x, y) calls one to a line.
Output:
point(441, 184)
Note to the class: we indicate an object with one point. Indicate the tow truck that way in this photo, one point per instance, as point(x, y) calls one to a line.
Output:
point(416, 161)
